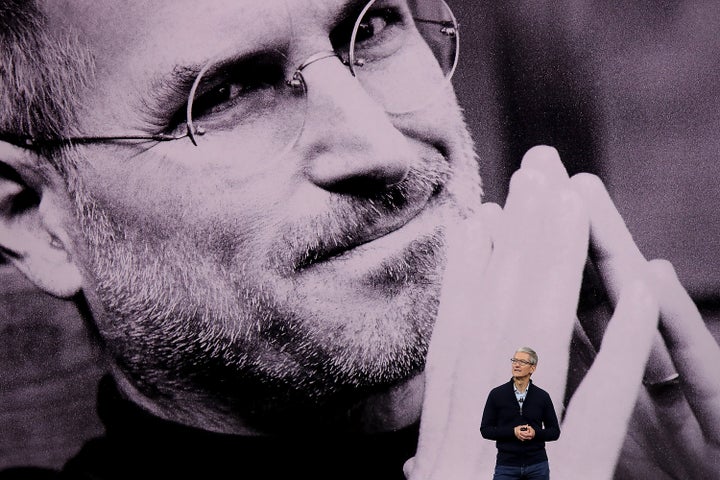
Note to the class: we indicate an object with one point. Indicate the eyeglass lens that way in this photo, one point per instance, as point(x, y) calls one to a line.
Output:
point(251, 101)
point(403, 52)
point(521, 362)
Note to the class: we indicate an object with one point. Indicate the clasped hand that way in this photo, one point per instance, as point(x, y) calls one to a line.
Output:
point(524, 432)
point(522, 287)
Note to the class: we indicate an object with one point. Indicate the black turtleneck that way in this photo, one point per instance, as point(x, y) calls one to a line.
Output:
point(138, 445)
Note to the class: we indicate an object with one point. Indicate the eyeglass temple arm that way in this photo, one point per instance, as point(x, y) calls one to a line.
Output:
point(25, 141)
point(449, 27)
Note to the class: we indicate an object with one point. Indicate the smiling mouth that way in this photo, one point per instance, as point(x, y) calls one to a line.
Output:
point(369, 228)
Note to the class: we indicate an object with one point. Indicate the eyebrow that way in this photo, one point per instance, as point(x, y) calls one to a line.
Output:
point(350, 9)
point(168, 92)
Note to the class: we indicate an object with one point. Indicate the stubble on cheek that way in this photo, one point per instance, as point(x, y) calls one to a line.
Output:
point(197, 315)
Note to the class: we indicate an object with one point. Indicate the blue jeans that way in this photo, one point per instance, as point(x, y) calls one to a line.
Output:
point(537, 471)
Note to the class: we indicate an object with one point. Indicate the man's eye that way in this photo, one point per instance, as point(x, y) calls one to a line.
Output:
point(237, 88)
point(375, 30)
point(225, 95)
point(218, 98)
point(371, 26)
point(379, 26)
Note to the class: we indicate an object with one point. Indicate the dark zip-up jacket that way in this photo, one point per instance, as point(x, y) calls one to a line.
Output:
point(502, 414)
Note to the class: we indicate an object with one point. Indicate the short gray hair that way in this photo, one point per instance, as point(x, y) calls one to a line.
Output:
point(40, 74)
point(531, 352)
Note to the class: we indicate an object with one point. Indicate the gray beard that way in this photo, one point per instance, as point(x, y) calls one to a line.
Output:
point(185, 325)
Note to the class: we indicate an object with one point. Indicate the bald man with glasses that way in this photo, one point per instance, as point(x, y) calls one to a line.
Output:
point(520, 417)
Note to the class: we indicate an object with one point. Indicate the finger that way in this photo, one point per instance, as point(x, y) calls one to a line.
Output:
point(613, 250)
point(620, 363)
point(618, 260)
point(466, 260)
point(690, 344)
point(692, 347)
point(660, 368)
point(527, 252)
point(552, 236)
point(533, 285)
point(484, 341)
point(656, 414)
point(547, 160)
point(502, 289)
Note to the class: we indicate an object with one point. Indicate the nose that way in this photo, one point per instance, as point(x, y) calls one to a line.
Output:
point(349, 144)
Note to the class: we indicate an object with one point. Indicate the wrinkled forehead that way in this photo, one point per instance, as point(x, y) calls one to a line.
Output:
point(139, 33)
point(136, 44)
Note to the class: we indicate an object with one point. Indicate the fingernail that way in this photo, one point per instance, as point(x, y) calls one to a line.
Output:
point(659, 368)
point(545, 159)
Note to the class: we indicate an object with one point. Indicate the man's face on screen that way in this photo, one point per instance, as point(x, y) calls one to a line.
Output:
point(297, 251)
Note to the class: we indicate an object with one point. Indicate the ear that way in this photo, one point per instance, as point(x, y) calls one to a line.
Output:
point(34, 219)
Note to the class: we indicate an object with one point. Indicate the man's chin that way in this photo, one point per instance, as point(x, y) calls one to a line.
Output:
point(367, 408)
point(329, 361)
